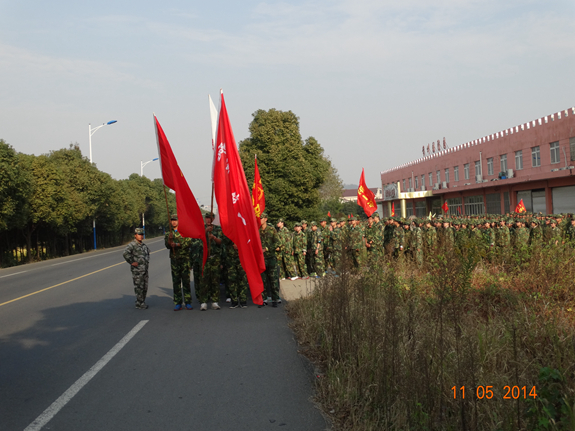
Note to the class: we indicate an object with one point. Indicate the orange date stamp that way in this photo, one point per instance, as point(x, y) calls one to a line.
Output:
point(487, 392)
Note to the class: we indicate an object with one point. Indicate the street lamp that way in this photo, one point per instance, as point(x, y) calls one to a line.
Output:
point(90, 133)
point(142, 164)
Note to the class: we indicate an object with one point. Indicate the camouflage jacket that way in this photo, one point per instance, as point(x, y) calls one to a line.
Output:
point(182, 248)
point(299, 242)
point(137, 252)
point(270, 241)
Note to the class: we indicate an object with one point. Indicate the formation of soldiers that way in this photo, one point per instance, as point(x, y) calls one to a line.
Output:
point(317, 250)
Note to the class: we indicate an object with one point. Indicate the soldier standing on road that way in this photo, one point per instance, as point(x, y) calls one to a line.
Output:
point(299, 251)
point(210, 284)
point(181, 265)
point(137, 255)
point(270, 245)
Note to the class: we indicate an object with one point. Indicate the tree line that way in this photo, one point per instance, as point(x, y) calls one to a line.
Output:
point(48, 203)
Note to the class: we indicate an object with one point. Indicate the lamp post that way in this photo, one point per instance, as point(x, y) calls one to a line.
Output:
point(142, 164)
point(90, 133)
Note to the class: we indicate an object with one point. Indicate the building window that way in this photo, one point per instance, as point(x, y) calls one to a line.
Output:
point(447, 175)
point(420, 208)
point(403, 185)
point(506, 202)
point(409, 182)
point(518, 160)
point(490, 166)
point(430, 179)
point(555, 157)
point(503, 163)
point(493, 203)
point(477, 168)
point(438, 174)
point(535, 157)
point(572, 147)
point(454, 205)
point(416, 183)
point(423, 181)
point(456, 173)
point(466, 170)
point(474, 205)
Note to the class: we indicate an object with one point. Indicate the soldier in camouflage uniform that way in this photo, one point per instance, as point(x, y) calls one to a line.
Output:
point(210, 283)
point(372, 241)
point(335, 244)
point(270, 245)
point(180, 264)
point(285, 255)
point(238, 283)
point(416, 245)
point(197, 257)
point(316, 251)
point(299, 251)
point(326, 244)
point(137, 255)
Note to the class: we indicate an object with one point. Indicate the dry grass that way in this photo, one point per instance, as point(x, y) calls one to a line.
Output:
point(394, 340)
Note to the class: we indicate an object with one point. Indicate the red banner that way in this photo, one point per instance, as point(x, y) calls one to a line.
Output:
point(365, 197)
point(235, 207)
point(393, 209)
point(520, 208)
point(258, 196)
point(445, 207)
point(191, 222)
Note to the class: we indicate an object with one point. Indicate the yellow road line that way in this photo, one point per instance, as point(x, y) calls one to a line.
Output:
point(66, 282)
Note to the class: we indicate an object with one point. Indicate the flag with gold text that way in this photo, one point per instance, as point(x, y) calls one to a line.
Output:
point(365, 197)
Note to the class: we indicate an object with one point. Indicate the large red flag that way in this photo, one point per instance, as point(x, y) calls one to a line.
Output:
point(365, 197)
point(189, 214)
point(258, 197)
point(235, 207)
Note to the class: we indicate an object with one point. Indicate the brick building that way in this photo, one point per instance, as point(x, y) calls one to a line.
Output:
point(490, 175)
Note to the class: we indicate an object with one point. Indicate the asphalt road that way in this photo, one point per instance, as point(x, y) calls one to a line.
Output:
point(76, 355)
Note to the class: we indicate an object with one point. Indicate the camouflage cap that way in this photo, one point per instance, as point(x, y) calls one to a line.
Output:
point(281, 220)
point(264, 215)
point(333, 220)
point(352, 218)
point(321, 220)
point(174, 217)
point(342, 219)
point(297, 224)
point(304, 222)
point(209, 215)
point(313, 223)
point(139, 231)
point(375, 214)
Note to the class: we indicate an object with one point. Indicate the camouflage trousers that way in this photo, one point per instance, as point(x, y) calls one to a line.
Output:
point(335, 259)
point(210, 283)
point(181, 280)
point(197, 269)
point(270, 279)
point(238, 283)
point(300, 265)
point(286, 265)
point(140, 279)
point(316, 263)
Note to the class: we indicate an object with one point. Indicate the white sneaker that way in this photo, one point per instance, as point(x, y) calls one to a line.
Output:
point(203, 307)
point(228, 300)
point(215, 306)
point(293, 278)
point(283, 279)
point(279, 301)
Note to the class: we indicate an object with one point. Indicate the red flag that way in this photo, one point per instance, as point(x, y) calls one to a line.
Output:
point(365, 197)
point(520, 208)
point(393, 209)
point(258, 197)
point(328, 214)
point(235, 207)
point(191, 221)
point(444, 207)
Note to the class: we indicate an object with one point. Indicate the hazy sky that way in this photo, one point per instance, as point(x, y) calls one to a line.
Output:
point(372, 81)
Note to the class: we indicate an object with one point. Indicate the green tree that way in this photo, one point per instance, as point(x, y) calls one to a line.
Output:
point(14, 186)
point(292, 170)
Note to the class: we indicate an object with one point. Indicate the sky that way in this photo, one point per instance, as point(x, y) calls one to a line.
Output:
point(372, 81)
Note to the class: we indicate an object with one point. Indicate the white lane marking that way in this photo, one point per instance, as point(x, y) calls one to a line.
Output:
point(9, 275)
point(57, 405)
